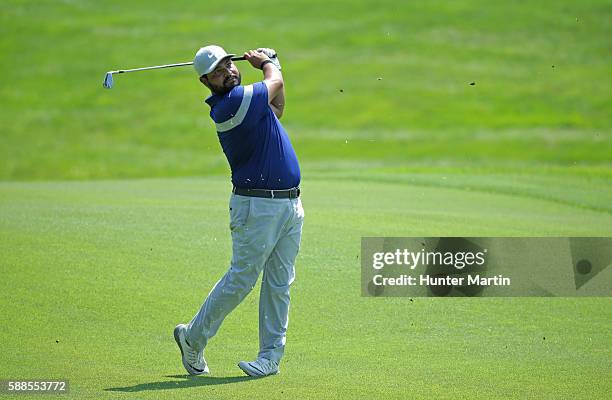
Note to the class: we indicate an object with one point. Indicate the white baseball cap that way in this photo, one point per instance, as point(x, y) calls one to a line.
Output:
point(207, 59)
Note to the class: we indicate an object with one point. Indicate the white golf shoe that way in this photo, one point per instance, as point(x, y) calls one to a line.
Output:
point(259, 367)
point(193, 360)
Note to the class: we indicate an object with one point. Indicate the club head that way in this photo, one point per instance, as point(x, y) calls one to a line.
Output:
point(108, 80)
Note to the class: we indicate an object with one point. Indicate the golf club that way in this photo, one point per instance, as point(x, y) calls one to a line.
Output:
point(108, 78)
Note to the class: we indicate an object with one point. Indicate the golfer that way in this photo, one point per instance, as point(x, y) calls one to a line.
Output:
point(265, 209)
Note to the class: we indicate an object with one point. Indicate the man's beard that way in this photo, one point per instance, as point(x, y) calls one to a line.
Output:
point(228, 84)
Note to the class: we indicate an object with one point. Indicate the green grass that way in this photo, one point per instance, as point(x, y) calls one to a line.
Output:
point(113, 213)
point(57, 121)
point(108, 268)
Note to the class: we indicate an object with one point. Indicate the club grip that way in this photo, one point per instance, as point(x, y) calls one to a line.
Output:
point(241, 58)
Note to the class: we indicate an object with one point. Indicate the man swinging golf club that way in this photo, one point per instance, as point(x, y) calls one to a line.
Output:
point(266, 213)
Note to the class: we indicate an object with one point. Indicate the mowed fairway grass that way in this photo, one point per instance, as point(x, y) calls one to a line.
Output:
point(96, 275)
point(458, 118)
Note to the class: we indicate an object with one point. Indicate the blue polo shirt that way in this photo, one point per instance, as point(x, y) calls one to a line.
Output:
point(255, 143)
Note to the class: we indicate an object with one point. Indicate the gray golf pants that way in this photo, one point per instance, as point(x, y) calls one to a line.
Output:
point(266, 236)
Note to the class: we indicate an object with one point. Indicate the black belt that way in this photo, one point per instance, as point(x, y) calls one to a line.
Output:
point(292, 193)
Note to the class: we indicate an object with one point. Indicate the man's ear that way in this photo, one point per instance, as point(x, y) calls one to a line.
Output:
point(204, 80)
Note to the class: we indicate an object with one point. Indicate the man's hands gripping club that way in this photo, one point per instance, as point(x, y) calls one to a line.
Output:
point(272, 76)
point(271, 53)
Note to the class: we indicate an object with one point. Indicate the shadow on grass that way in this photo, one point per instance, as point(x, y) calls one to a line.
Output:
point(186, 382)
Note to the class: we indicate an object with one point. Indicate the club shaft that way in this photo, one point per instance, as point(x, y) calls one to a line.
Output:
point(121, 71)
